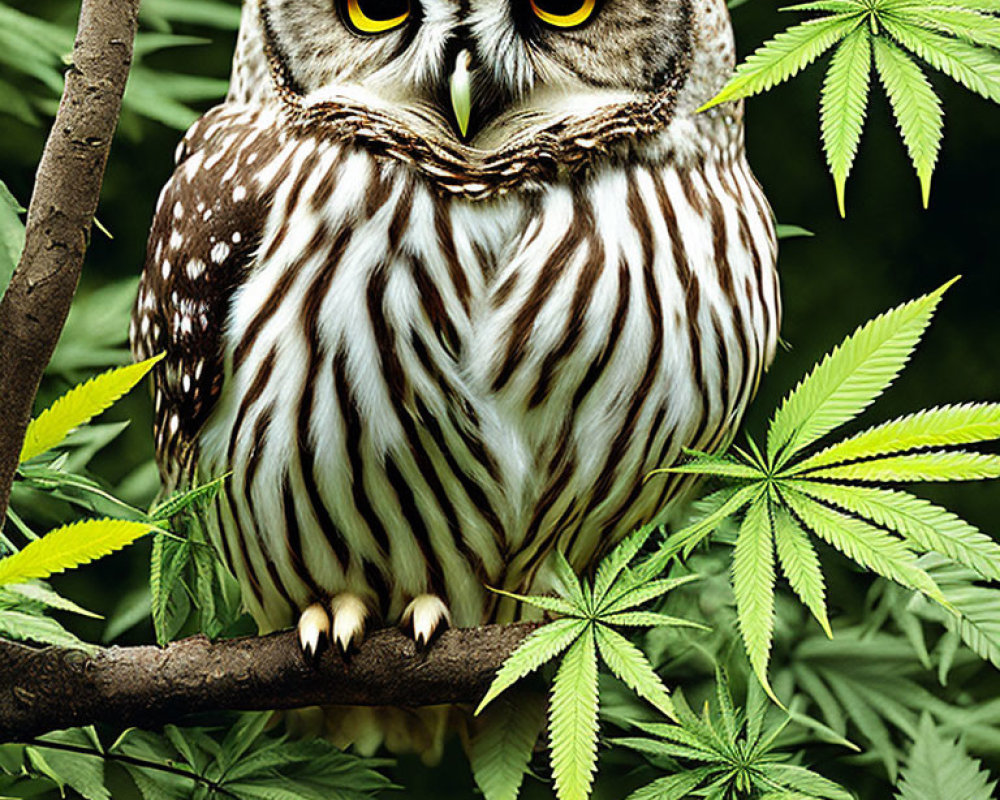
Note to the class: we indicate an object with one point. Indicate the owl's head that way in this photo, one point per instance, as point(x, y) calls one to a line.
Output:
point(485, 71)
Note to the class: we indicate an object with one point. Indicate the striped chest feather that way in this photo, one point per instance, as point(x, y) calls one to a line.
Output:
point(420, 393)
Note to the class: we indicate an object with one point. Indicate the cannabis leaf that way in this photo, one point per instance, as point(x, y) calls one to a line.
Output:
point(960, 38)
point(939, 769)
point(789, 496)
point(68, 547)
point(79, 405)
point(588, 615)
point(728, 754)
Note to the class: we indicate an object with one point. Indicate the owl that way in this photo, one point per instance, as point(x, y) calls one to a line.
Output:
point(439, 284)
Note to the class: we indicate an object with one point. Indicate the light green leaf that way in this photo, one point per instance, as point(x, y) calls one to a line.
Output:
point(41, 630)
point(505, 738)
point(842, 106)
point(689, 537)
point(976, 68)
point(972, 26)
point(859, 541)
point(785, 55)
point(539, 648)
point(753, 586)
point(11, 235)
point(643, 593)
point(968, 423)
point(811, 784)
point(573, 721)
point(643, 619)
point(617, 560)
point(68, 547)
point(800, 564)
point(43, 595)
point(719, 466)
point(849, 378)
point(670, 787)
point(568, 582)
point(916, 107)
point(928, 527)
point(630, 665)
point(79, 405)
point(938, 768)
point(935, 465)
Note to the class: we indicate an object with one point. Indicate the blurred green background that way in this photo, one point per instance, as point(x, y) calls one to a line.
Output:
point(887, 250)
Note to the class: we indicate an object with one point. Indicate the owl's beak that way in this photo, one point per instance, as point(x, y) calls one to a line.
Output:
point(461, 91)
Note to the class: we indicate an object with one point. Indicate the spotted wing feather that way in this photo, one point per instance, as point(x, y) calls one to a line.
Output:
point(204, 237)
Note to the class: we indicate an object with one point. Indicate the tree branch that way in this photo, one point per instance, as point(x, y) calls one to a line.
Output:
point(50, 689)
point(67, 190)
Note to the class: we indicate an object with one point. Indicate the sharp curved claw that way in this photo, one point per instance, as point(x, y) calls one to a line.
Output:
point(426, 615)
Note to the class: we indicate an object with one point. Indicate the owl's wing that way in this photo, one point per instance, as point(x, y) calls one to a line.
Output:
point(205, 235)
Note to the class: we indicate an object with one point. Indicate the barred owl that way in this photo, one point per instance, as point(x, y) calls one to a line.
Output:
point(439, 284)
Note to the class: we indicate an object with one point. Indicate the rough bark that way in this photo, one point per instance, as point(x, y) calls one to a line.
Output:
point(50, 689)
point(63, 205)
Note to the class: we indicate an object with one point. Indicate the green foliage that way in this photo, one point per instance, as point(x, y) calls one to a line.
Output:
point(882, 530)
point(589, 615)
point(78, 406)
point(35, 51)
point(729, 753)
point(939, 769)
point(11, 235)
point(959, 38)
point(241, 763)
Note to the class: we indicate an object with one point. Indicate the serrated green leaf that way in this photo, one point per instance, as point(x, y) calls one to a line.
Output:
point(938, 768)
point(643, 593)
point(568, 584)
point(43, 595)
point(934, 465)
point(928, 527)
point(617, 560)
point(68, 547)
point(169, 605)
point(505, 738)
point(809, 783)
point(669, 787)
point(79, 405)
point(719, 466)
point(842, 106)
point(849, 378)
point(916, 108)
point(967, 423)
point(800, 564)
point(41, 630)
point(82, 772)
point(540, 647)
point(181, 501)
point(644, 619)
point(753, 586)
point(573, 721)
point(976, 68)
point(630, 665)
point(972, 26)
point(859, 541)
point(786, 55)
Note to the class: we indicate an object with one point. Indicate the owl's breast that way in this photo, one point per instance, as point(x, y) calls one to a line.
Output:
point(426, 393)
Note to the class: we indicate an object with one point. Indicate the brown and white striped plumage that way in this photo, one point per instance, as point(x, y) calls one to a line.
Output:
point(428, 363)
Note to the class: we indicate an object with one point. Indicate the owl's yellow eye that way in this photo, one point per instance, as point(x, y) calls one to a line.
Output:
point(563, 13)
point(376, 16)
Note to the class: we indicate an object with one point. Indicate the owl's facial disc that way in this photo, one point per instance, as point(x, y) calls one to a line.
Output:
point(479, 73)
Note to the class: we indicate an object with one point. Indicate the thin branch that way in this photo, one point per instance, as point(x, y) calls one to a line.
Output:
point(67, 189)
point(50, 689)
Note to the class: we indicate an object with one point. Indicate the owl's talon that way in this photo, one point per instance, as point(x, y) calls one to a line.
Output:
point(349, 612)
point(313, 628)
point(425, 616)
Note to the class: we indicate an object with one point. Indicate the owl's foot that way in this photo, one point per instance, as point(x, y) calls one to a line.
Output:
point(349, 612)
point(314, 628)
point(424, 616)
